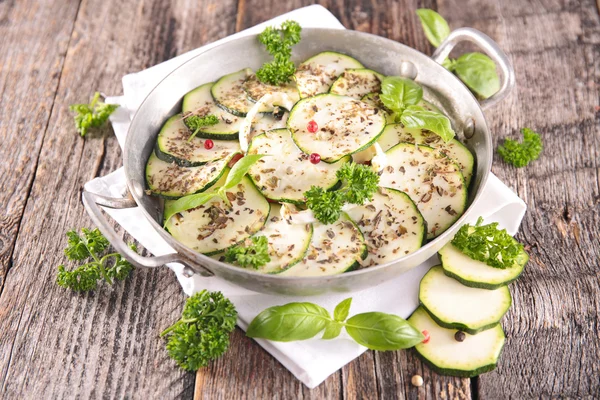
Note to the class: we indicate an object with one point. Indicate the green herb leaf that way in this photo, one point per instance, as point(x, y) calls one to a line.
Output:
point(253, 252)
point(332, 330)
point(361, 182)
point(342, 310)
point(380, 331)
point(521, 154)
point(196, 122)
point(420, 118)
point(91, 115)
point(490, 245)
point(202, 333)
point(289, 322)
point(81, 279)
point(435, 26)
point(398, 93)
point(278, 43)
point(478, 72)
point(239, 170)
point(186, 203)
point(327, 206)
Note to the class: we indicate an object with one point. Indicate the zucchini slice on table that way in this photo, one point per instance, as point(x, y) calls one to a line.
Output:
point(172, 181)
point(200, 102)
point(315, 75)
point(174, 145)
point(391, 224)
point(214, 226)
point(357, 83)
point(453, 305)
point(287, 172)
point(396, 133)
point(432, 180)
point(229, 94)
point(334, 248)
point(475, 355)
point(475, 273)
point(256, 89)
point(345, 125)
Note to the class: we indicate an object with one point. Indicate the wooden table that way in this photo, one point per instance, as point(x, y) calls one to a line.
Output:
point(54, 344)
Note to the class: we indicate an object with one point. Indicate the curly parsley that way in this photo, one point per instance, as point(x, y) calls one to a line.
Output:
point(278, 43)
point(254, 252)
point(195, 123)
point(521, 154)
point(91, 244)
point(202, 333)
point(91, 115)
point(488, 244)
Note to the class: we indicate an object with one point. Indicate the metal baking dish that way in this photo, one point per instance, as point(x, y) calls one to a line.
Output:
point(386, 56)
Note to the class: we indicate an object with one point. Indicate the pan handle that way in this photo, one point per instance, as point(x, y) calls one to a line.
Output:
point(91, 201)
point(491, 48)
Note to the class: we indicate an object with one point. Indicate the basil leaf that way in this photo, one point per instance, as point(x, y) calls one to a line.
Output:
point(435, 26)
point(380, 331)
point(186, 203)
point(342, 310)
point(289, 322)
point(398, 93)
point(478, 72)
point(332, 330)
point(420, 118)
point(240, 169)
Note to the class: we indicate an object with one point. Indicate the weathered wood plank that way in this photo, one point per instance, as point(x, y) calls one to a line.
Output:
point(54, 344)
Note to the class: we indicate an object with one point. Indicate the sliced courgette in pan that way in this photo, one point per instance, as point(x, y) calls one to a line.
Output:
point(316, 74)
point(267, 122)
point(345, 125)
point(214, 226)
point(256, 89)
point(432, 180)
point(357, 83)
point(200, 102)
point(174, 145)
point(172, 181)
point(334, 248)
point(396, 133)
point(475, 355)
point(373, 99)
point(475, 273)
point(391, 224)
point(229, 94)
point(287, 172)
point(453, 305)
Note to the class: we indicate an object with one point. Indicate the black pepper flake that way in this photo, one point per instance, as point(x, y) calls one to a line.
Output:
point(460, 336)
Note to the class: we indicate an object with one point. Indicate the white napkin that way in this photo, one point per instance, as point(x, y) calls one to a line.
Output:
point(311, 361)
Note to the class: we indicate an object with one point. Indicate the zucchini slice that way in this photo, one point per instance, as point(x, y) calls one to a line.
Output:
point(171, 181)
point(391, 224)
point(200, 102)
point(453, 305)
point(345, 125)
point(334, 249)
point(214, 226)
point(357, 83)
point(229, 94)
point(447, 356)
point(287, 173)
point(173, 145)
point(256, 89)
point(432, 180)
point(475, 273)
point(396, 133)
point(315, 75)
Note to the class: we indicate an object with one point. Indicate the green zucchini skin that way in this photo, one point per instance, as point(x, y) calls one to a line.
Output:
point(459, 373)
point(453, 325)
point(229, 94)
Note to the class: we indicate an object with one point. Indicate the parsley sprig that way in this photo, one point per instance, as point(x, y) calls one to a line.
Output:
point(202, 333)
point(196, 122)
point(91, 115)
point(278, 43)
point(253, 252)
point(360, 183)
point(521, 154)
point(488, 244)
point(91, 244)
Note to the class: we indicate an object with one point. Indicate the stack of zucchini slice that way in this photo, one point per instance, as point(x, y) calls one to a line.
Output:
point(423, 187)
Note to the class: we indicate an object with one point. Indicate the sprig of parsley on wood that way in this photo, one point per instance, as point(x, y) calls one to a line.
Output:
point(490, 245)
point(521, 154)
point(196, 122)
point(360, 183)
point(91, 115)
point(91, 245)
point(278, 43)
point(202, 333)
point(253, 252)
